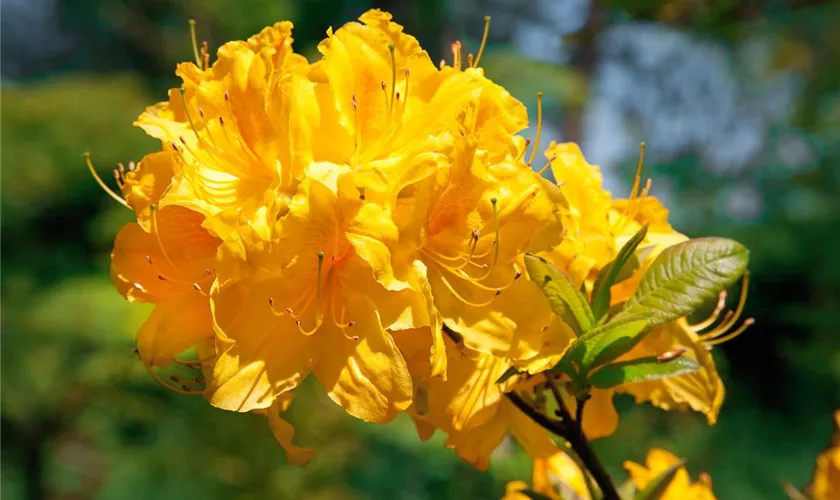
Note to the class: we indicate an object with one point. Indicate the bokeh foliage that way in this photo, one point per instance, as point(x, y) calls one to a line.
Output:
point(81, 418)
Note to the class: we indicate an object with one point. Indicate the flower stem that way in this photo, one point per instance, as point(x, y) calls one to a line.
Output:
point(577, 439)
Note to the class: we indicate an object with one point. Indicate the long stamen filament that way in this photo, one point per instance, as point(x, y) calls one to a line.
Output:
point(496, 240)
point(392, 51)
point(462, 299)
point(110, 192)
point(547, 164)
point(721, 304)
point(194, 43)
point(726, 338)
point(539, 128)
point(483, 41)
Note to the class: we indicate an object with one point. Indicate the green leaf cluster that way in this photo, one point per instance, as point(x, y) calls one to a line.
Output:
point(678, 282)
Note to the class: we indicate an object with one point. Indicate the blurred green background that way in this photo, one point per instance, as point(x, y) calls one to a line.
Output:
point(738, 102)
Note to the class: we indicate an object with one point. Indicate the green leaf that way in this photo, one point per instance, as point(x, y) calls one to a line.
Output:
point(565, 300)
point(582, 348)
point(618, 338)
point(657, 486)
point(608, 275)
point(640, 370)
point(686, 275)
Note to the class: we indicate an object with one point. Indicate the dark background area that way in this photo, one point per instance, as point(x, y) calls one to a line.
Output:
point(739, 105)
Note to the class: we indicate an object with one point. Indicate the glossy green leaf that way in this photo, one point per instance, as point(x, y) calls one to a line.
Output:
point(618, 338)
point(685, 276)
point(608, 276)
point(565, 300)
point(658, 485)
point(584, 346)
point(640, 370)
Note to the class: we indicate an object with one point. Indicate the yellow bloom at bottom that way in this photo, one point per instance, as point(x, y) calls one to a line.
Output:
point(560, 477)
point(680, 488)
point(826, 483)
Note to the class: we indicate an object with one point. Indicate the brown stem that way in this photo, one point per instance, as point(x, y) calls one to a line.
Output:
point(582, 446)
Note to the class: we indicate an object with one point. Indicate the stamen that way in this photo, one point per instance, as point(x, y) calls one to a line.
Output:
point(539, 128)
point(721, 304)
point(718, 334)
point(456, 55)
point(318, 301)
point(470, 60)
point(483, 42)
point(407, 73)
point(183, 92)
point(102, 184)
point(726, 338)
point(183, 389)
point(392, 51)
point(496, 240)
point(205, 55)
point(547, 164)
point(465, 301)
point(671, 355)
point(194, 43)
point(638, 178)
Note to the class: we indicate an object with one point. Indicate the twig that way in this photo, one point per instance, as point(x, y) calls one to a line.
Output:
point(581, 445)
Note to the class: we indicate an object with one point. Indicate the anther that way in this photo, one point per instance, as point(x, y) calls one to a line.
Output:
point(110, 192)
point(483, 42)
point(208, 272)
point(517, 275)
point(121, 168)
point(227, 96)
point(194, 43)
point(162, 278)
point(351, 323)
point(201, 113)
point(196, 287)
point(221, 121)
point(149, 259)
point(271, 301)
point(670, 355)
point(289, 310)
point(498, 292)
point(132, 166)
point(356, 338)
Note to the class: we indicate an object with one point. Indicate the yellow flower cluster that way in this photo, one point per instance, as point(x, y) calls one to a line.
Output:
point(363, 219)
point(560, 477)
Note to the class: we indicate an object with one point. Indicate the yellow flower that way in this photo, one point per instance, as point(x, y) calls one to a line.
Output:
point(826, 482)
point(680, 488)
point(561, 477)
point(470, 223)
point(469, 406)
point(240, 127)
point(559, 473)
point(324, 307)
point(389, 113)
point(168, 259)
